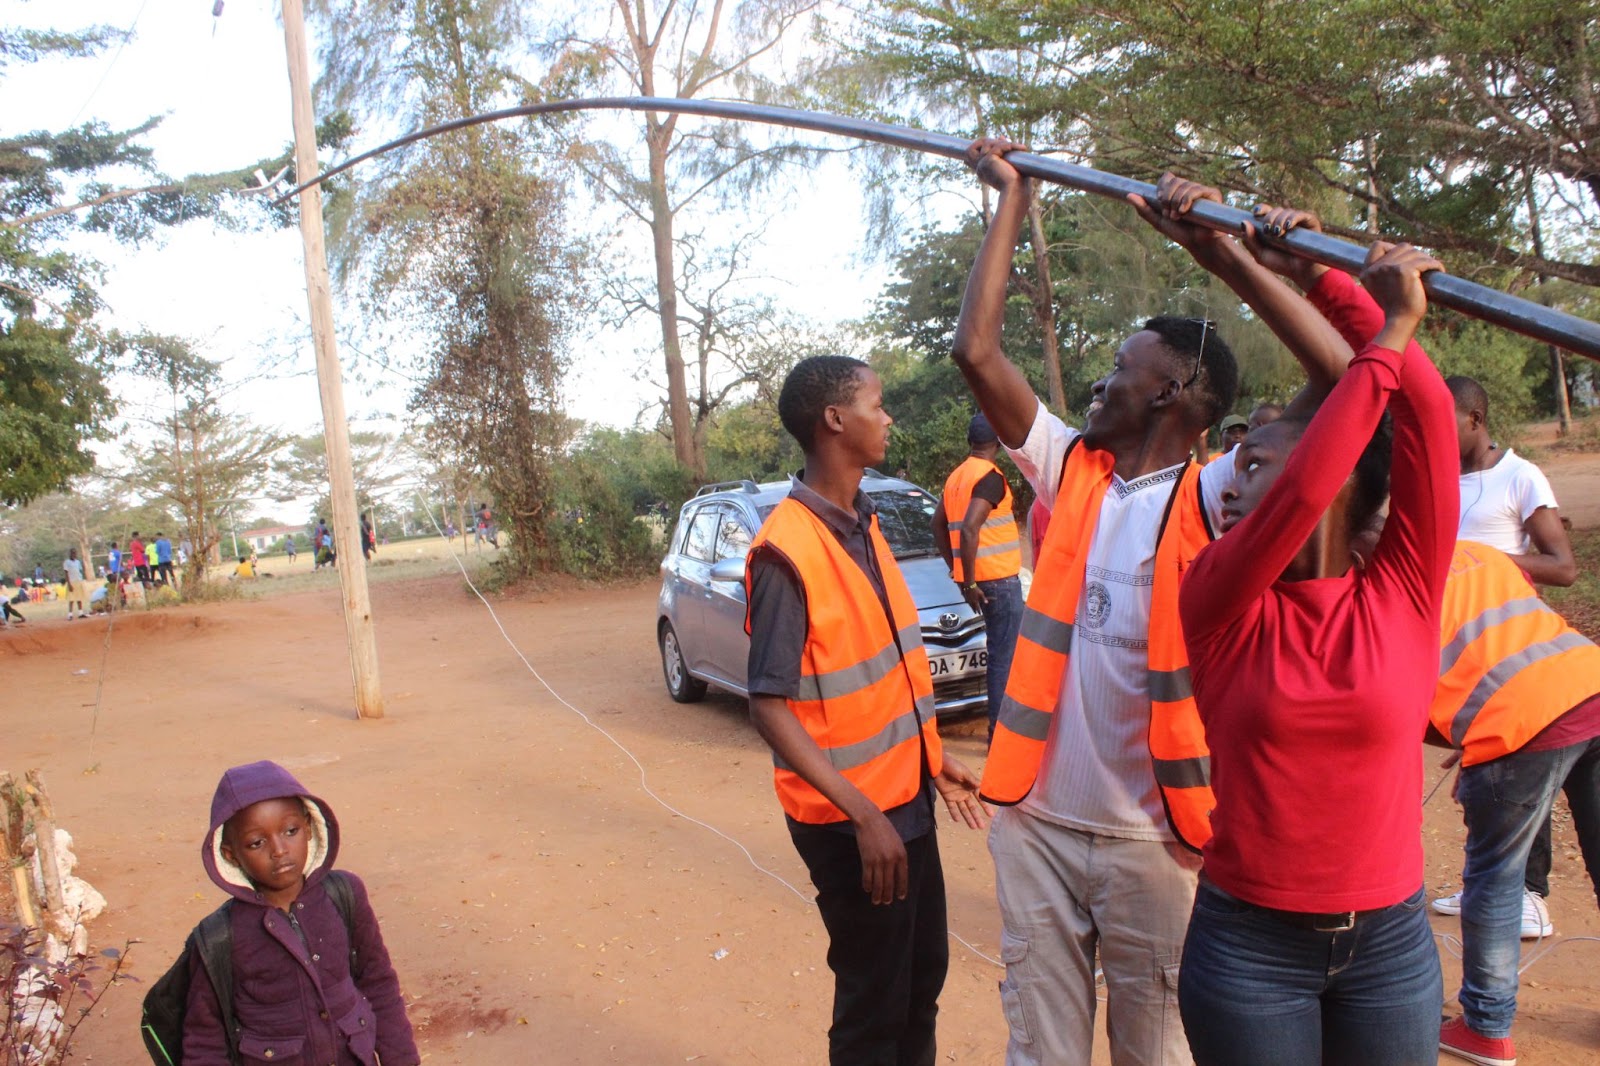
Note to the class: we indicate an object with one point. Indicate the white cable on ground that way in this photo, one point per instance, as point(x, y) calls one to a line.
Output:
point(644, 783)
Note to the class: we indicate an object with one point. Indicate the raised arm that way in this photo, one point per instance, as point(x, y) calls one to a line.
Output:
point(1230, 576)
point(1319, 348)
point(1413, 555)
point(1003, 394)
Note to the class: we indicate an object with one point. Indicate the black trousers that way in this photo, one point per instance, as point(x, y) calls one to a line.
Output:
point(888, 961)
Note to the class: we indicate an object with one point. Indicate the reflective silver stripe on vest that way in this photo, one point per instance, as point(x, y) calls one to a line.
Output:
point(1045, 631)
point(1476, 627)
point(1170, 686)
point(1023, 720)
point(988, 523)
point(911, 636)
point(1183, 773)
point(838, 684)
point(1503, 672)
point(848, 756)
point(1000, 549)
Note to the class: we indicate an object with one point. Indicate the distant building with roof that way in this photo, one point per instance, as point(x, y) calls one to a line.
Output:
point(268, 536)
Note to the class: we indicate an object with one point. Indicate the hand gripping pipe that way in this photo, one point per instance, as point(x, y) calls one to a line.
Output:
point(1479, 301)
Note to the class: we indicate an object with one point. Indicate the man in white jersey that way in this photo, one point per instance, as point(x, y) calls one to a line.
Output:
point(1087, 860)
point(1507, 503)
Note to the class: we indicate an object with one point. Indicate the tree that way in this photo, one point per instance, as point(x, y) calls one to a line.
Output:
point(738, 341)
point(88, 516)
point(1420, 118)
point(684, 51)
point(199, 459)
point(376, 460)
point(462, 240)
point(52, 394)
point(966, 77)
point(450, 481)
point(53, 400)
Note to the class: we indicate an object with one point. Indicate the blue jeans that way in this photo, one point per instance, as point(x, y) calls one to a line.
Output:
point(1505, 802)
point(1002, 617)
point(1257, 991)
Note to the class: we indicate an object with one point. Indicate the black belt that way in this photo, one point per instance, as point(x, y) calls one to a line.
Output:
point(1332, 922)
point(1327, 922)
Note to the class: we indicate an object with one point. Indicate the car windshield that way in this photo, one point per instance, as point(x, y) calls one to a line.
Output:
point(903, 516)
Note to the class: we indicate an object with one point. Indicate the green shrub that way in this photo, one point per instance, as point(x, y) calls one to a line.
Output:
point(208, 591)
point(593, 530)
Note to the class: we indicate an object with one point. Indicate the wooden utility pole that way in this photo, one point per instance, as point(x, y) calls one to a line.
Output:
point(346, 521)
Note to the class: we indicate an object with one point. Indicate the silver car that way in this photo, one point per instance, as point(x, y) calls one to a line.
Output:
point(700, 628)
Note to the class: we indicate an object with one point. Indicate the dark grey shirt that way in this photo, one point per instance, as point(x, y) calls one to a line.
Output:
point(991, 487)
point(778, 626)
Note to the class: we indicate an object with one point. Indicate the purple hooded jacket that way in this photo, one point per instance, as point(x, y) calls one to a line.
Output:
point(295, 997)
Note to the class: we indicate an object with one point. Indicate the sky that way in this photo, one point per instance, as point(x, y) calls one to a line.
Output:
point(222, 88)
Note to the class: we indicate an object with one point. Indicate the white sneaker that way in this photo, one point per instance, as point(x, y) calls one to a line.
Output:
point(1536, 923)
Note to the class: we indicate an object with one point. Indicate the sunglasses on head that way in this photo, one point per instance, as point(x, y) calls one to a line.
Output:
point(1205, 329)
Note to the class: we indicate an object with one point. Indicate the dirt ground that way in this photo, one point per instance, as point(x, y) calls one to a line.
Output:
point(540, 905)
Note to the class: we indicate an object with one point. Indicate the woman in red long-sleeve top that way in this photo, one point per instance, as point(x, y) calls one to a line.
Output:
point(1308, 942)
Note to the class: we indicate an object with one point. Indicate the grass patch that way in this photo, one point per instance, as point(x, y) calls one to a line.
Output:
point(207, 591)
point(1583, 436)
point(405, 560)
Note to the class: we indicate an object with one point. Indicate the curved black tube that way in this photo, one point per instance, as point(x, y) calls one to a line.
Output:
point(1479, 301)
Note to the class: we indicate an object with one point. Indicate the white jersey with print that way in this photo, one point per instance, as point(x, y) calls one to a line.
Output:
point(1096, 774)
point(1495, 503)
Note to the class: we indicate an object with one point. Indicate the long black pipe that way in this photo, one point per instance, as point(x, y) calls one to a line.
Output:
point(1523, 316)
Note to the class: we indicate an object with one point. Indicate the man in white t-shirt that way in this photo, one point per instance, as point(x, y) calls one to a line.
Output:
point(1087, 860)
point(72, 569)
point(1507, 503)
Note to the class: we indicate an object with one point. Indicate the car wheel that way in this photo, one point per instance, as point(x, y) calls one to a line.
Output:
point(681, 685)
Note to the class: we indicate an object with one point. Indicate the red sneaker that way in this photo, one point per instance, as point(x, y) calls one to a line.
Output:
point(1458, 1038)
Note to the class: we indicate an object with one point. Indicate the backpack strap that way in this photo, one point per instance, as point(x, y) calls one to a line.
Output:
point(338, 886)
point(212, 940)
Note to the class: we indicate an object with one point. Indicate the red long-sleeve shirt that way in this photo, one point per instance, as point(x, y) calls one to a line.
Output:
point(1315, 693)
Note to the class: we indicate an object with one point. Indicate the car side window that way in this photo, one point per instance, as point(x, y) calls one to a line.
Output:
point(734, 539)
point(702, 537)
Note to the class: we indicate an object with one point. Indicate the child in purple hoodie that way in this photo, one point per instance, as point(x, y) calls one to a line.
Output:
point(305, 990)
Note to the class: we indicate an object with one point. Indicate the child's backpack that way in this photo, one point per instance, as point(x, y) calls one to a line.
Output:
point(167, 1002)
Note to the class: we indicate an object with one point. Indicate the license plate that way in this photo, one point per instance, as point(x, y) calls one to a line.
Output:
point(956, 663)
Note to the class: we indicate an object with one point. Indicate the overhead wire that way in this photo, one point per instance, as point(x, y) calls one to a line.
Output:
point(127, 36)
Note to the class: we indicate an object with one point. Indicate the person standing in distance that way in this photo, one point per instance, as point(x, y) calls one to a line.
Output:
point(976, 531)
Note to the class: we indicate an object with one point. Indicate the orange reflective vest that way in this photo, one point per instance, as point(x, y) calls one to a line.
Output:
point(1178, 752)
point(866, 693)
point(1508, 664)
point(999, 545)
